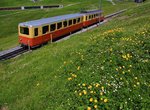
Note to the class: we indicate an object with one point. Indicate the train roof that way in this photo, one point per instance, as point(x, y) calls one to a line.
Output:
point(50, 20)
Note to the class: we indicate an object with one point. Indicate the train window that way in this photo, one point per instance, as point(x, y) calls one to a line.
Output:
point(74, 21)
point(53, 27)
point(24, 30)
point(35, 31)
point(89, 16)
point(65, 23)
point(59, 25)
point(78, 20)
point(86, 17)
point(70, 22)
point(45, 29)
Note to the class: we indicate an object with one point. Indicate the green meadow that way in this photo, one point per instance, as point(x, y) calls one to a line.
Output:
point(106, 68)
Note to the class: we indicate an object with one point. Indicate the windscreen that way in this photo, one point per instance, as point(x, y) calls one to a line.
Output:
point(24, 30)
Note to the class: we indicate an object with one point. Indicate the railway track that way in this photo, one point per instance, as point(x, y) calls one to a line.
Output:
point(7, 54)
point(13, 52)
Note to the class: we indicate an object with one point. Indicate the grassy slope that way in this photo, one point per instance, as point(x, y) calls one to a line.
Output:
point(39, 80)
point(8, 34)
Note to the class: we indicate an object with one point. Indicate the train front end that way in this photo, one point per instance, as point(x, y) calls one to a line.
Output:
point(25, 35)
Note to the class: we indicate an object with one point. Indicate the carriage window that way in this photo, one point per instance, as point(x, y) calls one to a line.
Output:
point(35, 31)
point(65, 23)
point(59, 25)
point(24, 30)
point(70, 22)
point(45, 29)
point(78, 20)
point(74, 21)
point(86, 17)
point(53, 27)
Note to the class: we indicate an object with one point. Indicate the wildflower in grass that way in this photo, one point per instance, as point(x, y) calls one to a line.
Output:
point(84, 92)
point(106, 100)
point(101, 93)
point(91, 100)
point(95, 106)
point(130, 65)
point(120, 78)
point(37, 84)
point(89, 108)
point(102, 88)
point(123, 72)
point(101, 99)
point(97, 85)
point(65, 62)
point(91, 92)
point(95, 101)
point(69, 79)
point(135, 78)
point(89, 87)
point(80, 94)
point(134, 85)
point(138, 83)
point(73, 75)
point(78, 68)
point(110, 49)
point(129, 71)
point(84, 84)
point(116, 69)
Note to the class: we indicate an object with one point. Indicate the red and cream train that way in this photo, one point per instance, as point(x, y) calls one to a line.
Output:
point(37, 32)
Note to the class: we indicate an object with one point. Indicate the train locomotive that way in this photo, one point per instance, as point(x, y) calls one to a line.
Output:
point(37, 32)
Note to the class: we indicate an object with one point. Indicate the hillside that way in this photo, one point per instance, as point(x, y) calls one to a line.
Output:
point(105, 68)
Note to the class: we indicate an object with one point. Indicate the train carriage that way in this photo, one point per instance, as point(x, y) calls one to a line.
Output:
point(92, 17)
point(37, 32)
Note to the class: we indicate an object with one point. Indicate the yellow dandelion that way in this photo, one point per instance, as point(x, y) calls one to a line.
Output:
point(65, 62)
point(73, 75)
point(101, 93)
point(102, 88)
point(78, 68)
point(95, 101)
point(129, 71)
point(37, 84)
point(110, 49)
point(89, 108)
point(116, 69)
point(97, 85)
point(89, 87)
point(91, 92)
point(83, 84)
point(130, 65)
point(69, 79)
point(91, 100)
point(101, 98)
point(95, 106)
point(138, 83)
point(80, 94)
point(105, 100)
point(135, 78)
point(84, 92)
point(120, 78)
point(123, 72)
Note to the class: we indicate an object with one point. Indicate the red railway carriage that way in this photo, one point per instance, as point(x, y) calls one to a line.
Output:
point(40, 31)
point(92, 17)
